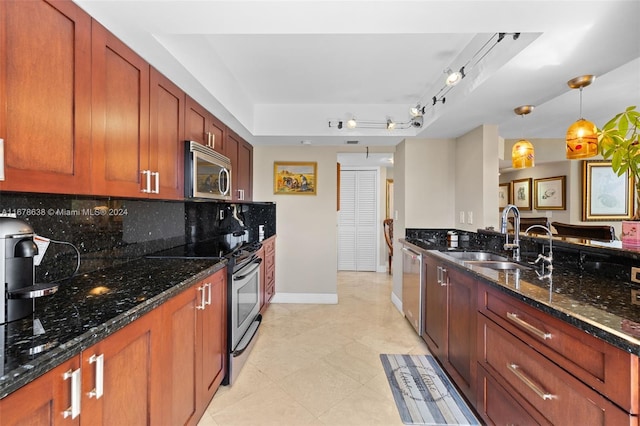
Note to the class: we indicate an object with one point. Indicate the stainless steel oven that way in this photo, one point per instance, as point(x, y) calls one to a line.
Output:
point(244, 308)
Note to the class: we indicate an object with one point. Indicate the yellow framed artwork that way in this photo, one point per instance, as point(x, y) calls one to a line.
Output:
point(295, 177)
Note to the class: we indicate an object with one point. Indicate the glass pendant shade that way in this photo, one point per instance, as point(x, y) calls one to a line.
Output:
point(522, 155)
point(582, 140)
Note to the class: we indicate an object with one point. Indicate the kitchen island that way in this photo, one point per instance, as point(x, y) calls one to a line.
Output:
point(502, 332)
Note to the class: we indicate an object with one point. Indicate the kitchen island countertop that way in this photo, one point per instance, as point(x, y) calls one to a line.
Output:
point(86, 309)
point(596, 305)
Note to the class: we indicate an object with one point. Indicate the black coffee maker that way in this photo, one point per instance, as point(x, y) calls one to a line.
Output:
point(17, 270)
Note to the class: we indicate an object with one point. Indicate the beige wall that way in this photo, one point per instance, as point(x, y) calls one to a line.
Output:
point(306, 225)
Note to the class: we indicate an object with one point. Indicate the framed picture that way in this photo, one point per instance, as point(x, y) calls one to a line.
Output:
point(605, 195)
point(504, 195)
point(550, 193)
point(295, 177)
point(521, 193)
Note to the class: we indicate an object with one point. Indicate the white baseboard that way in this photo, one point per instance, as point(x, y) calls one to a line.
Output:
point(397, 302)
point(309, 298)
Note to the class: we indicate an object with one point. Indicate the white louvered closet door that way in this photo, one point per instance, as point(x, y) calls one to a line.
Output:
point(357, 220)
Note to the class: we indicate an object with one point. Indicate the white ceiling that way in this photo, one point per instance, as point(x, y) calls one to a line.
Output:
point(278, 71)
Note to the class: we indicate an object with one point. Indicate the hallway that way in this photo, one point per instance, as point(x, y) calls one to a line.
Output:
point(319, 364)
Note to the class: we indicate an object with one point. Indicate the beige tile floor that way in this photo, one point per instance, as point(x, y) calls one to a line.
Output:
point(319, 364)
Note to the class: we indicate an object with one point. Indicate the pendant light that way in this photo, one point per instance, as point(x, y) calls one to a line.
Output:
point(582, 136)
point(522, 155)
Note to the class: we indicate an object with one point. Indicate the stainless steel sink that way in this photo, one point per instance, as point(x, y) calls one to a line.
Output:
point(496, 264)
point(476, 256)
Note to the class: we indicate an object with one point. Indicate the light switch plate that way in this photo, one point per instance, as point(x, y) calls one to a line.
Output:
point(461, 217)
point(469, 218)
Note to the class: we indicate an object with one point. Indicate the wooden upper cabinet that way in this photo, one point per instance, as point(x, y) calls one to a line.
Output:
point(202, 127)
point(45, 96)
point(120, 116)
point(166, 148)
point(240, 152)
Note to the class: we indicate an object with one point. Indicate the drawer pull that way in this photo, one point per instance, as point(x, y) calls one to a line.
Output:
point(515, 369)
point(76, 383)
point(539, 333)
point(98, 360)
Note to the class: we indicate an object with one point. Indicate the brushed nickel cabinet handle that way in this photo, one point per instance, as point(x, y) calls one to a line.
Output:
point(98, 391)
point(147, 186)
point(522, 323)
point(515, 369)
point(157, 182)
point(74, 410)
point(203, 304)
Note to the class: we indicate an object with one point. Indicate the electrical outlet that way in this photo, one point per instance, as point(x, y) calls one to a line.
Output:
point(635, 297)
point(635, 274)
point(469, 218)
point(461, 217)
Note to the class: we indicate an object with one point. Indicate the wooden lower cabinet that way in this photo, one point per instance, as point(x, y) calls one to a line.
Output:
point(194, 342)
point(435, 307)
point(116, 383)
point(119, 377)
point(540, 387)
point(461, 331)
point(162, 369)
point(43, 401)
point(270, 269)
point(450, 322)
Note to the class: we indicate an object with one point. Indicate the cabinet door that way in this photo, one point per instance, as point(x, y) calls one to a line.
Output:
point(213, 336)
point(120, 116)
point(127, 377)
point(202, 127)
point(241, 155)
point(166, 148)
point(461, 334)
point(45, 96)
point(435, 306)
point(179, 335)
point(196, 127)
point(43, 401)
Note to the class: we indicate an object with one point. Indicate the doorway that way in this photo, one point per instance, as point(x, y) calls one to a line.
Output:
point(358, 220)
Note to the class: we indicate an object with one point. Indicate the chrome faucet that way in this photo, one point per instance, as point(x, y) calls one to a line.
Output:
point(515, 245)
point(546, 260)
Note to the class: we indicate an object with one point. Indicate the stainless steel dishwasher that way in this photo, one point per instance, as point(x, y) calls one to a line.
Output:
point(412, 287)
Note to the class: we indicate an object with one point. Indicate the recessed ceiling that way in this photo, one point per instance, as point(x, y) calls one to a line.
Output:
point(277, 71)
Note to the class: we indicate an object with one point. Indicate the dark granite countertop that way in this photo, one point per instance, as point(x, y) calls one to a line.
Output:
point(88, 308)
point(597, 305)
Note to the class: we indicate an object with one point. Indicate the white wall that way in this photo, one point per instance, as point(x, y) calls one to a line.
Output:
point(476, 168)
point(306, 243)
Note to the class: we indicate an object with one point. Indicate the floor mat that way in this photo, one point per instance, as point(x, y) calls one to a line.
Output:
point(423, 393)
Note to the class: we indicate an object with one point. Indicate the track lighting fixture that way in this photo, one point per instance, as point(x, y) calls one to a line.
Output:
point(453, 78)
point(417, 112)
point(390, 124)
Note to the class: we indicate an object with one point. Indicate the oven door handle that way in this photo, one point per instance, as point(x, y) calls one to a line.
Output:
point(257, 261)
point(248, 337)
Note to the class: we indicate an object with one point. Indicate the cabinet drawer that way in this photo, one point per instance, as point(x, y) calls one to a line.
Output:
point(529, 376)
point(496, 406)
point(269, 245)
point(593, 361)
point(270, 275)
point(269, 292)
point(269, 261)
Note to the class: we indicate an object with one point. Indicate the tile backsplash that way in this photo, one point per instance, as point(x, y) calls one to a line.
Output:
point(108, 230)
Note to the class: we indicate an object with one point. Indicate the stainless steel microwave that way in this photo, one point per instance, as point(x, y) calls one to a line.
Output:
point(207, 173)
